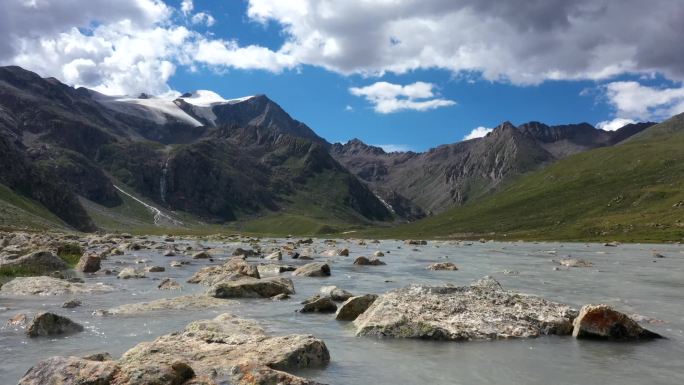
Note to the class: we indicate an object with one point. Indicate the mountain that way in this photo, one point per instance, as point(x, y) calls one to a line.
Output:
point(95, 161)
point(632, 191)
point(420, 184)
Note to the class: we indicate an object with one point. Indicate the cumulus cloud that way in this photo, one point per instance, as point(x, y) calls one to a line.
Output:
point(187, 6)
point(387, 98)
point(632, 100)
point(478, 132)
point(615, 124)
point(523, 42)
point(203, 18)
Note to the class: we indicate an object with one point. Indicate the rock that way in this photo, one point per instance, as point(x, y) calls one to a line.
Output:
point(280, 297)
point(102, 356)
point(71, 371)
point(169, 253)
point(315, 269)
point(271, 269)
point(343, 252)
point(657, 255)
point(244, 252)
point(275, 256)
point(17, 320)
point(305, 258)
point(155, 269)
point(443, 266)
point(129, 273)
point(201, 255)
point(50, 324)
point(229, 348)
point(363, 261)
point(335, 293)
point(176, 264)
point(415, 242)
point(88, 264)
point(186, 302)
point(50, 286)
point(248, 287)
point(71, 304)
point(603, 322)
point(39, 261)
point(611, 244)
point(318, 304)
point(169, 284)
point(212, 274)
point(378, 254)
point(350, 309)
point(482, 311)
point(574, 262)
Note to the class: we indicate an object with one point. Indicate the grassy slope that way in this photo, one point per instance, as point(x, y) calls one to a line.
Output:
point(17, 212)
point(626, 193)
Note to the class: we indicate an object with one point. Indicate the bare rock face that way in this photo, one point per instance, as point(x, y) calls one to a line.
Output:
point(603, 322)
point(42, 260)
point(50, 286)
point(50, 324)
point(350, 309)
point(482, 311)
point(248, 287)
point(443, 266)
point(314, 269)
point(211, 275)
point(89, 264)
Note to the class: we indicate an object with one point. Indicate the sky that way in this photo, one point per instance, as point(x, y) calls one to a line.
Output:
point(401, 74)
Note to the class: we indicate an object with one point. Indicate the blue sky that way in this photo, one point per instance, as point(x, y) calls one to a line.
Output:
point(409, 74)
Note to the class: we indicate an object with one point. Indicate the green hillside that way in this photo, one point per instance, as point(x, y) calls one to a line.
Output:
point(631, 192)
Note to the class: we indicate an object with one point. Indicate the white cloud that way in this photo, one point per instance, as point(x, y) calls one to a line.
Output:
point(478, 132)
point(187, 6)
point(387, 98)
point(615, 124)
point(349, 108)
point(394, 147)
point(203, 18)
point(524, 42)
point(223, 53)
point(635, 101)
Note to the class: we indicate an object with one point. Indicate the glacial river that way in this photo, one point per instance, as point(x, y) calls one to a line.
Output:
point(627, 277)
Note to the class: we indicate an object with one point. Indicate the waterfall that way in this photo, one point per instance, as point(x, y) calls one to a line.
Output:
point(162, 181)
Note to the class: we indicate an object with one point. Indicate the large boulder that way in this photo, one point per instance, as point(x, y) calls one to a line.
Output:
point(210, 275)
point(335, 293)
point(248, 287)
point(71, 371)
point(89, 264)
point(50, 324)
point(186, 302)
point(50, 286)
point(353, 307)
point(314, 269)
point(38, 261)
point(603, 322)
point(482, 311)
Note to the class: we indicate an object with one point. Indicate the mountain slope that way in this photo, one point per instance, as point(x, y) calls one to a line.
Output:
point(633, 191)
point(419, 184)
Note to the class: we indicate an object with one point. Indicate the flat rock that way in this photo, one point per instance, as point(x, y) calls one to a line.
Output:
point(335, 293)
point(574, 262)
point(130, 273)
point(50, 286)
point(353, 307)
point(50, 324)
point(186, 302)
point(443, 266)
point(604, 322)
point(314, 269)
point(211, 275)
point(273, 269)
point(248, 287)
point(482, 311)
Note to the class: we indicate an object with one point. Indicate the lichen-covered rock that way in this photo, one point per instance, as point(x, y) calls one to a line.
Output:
point(248, 287)
point(246, 253)
point(169, 284)
point(335, 293)
point(482, 311)
point(50, 324)
point(155, 269)
point(363, 261)
point(574, 262)
point(71, 371)
point(443, 266)
point(211, 275)
point(201, 255)
point(50, 286)
point(603, 322)
point(353, 307)
point(186, 302)
point(274, 256)
point(318, 304)
point(314, 269)
point(130, 273)
point(88, 264)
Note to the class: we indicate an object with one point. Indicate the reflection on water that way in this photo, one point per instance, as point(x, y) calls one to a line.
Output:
point(626, 277)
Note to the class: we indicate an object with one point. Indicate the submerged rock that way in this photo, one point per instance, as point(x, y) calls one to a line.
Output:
point(186, 302)
point(248, 287)
point(272, 269)
point(318, 304)
point(603, 322)
point(201, 255)
point(71, 304)
point(482, 311)
point(50, 286)
point(314, 269)
point(363, 261)
point(353, 307)
point(169, 284)
point(50, 324)
point(129, 273)
point(574, 262)
point(335, 293)
point(443, 266)
point(211, 275)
